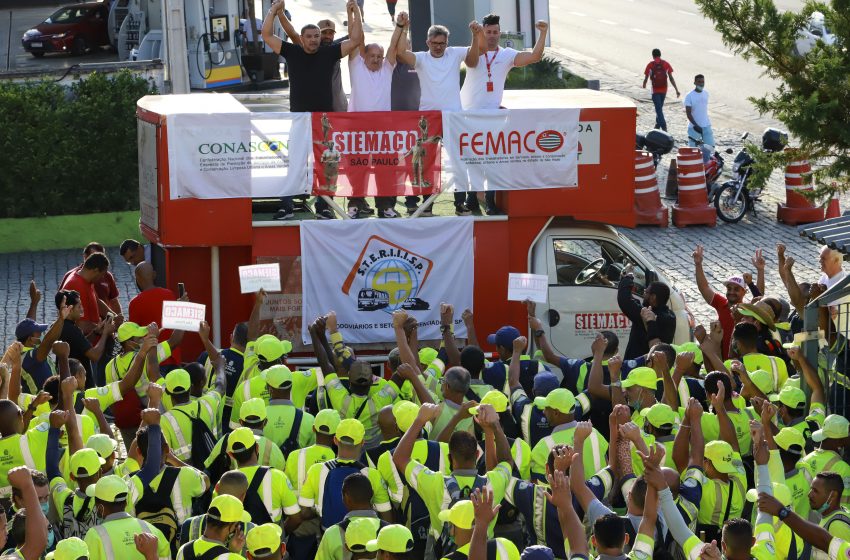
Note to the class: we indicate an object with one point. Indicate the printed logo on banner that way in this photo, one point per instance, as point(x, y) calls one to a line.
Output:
point(388, 277)
point(380, 154)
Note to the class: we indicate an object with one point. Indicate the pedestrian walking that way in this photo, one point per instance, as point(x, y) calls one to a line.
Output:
point(696, 109)
point(659, 70)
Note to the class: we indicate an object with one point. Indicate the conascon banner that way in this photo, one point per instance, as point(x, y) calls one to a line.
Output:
point(358, 269)
point(505, 150)
point(236, 155)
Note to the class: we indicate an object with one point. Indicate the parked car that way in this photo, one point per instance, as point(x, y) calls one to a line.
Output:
point(75, 29)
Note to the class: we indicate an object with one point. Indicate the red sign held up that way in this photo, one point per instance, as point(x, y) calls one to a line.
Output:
point(377, 154)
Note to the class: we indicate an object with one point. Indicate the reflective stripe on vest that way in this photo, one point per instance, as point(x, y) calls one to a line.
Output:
point(501, 551)
point(212, 416)
point(196, 528)
point(539, 515)
point(525, 422)
point(594, 448)
point(177, 501)
point(26, 453)
point(106, 541)
point(183, 452)
point(267, 453)
point(302, 468)
point(720, 503)
point(517, 453)
point(275, 514)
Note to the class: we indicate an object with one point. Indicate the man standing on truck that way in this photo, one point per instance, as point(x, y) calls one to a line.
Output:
point(439, 76)
point(652, 321)
point(484, 84)
point(311, 69)
point(658, 70)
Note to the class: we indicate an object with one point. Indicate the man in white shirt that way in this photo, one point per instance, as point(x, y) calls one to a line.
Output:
point(696, 109)
point(438, 69)
point(371, 87)
point(485, 83)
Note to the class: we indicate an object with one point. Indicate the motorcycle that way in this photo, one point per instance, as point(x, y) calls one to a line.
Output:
point(656, 142)
point(735, 197)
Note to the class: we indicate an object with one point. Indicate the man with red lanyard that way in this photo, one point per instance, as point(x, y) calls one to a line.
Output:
point(736, 289)
point(658, 70)
point(485, 83)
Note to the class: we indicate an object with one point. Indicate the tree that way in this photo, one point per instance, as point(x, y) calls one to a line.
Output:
point(813, 99)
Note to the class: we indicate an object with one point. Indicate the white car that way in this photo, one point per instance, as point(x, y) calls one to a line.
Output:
point(814, 31)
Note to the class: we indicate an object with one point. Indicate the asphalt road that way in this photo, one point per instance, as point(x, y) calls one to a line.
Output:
point(616, 37)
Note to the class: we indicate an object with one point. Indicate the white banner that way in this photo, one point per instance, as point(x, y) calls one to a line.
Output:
point(256, 276)
point(183, 315)
point(505, 150)
point(366, 269)
point(234, 155)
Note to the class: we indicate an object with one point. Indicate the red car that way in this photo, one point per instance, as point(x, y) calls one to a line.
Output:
point(74, 29)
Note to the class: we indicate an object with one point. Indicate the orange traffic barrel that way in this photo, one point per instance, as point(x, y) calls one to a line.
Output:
point(797, 208)
point(648, 208)
point(692, 208)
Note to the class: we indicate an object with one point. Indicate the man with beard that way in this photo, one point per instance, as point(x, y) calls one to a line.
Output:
point(652, 321)
point(736, 288)
point(312, 65)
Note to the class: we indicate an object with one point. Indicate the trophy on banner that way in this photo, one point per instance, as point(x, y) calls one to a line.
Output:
point(418, 154)
point(330, 157)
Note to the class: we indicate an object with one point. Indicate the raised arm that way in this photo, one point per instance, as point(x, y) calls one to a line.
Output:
point(496, 447)
point(809, 374)
point(473, 52)
point(405, 372)
point(52, 334)
point(36, 523)
point(795, 294)
point(273, 41)
point(404, 350)
point(536, 54)
point(577, 476)
point(288, 28)
point(401, 454)
point(447, 318)
point(514, 368)
point(539, 335)
point(485, 512)
point(35, 298)
point(560, 496)
point(395, 44)
point(727, 429)
point(759, 262)
point(594, 382)
point(355, 29)
point(702, 282)
point(404, 54)
point(212, 351)
point(254, 319)
point(320, 346)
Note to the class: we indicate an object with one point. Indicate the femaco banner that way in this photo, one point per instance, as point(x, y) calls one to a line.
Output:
point(359, 269)
point(508, 150)
point(377, 154)
point(239, 155)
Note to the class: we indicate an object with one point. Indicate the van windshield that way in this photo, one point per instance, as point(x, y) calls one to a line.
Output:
point(572, 256)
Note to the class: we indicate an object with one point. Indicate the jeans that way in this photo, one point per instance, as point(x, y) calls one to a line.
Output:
point(707, 136)
point(658, 101)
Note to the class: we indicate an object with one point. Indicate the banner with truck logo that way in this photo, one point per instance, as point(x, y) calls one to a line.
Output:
point(383, 154)
point(363, 271)
point(236, 155)
point(505, 150)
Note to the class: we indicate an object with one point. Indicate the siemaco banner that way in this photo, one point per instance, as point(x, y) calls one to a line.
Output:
point(385, 153)
point(359, 269)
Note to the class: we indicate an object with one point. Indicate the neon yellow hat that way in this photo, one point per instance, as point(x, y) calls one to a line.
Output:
point(641, 377)
point(659, 415)
point(327, 421)
point(461, 514)
point(720, 454)
point(792, 397)
point(278, 377)
point(264, 540)
point(405, 412)
point(393, 538)
point(228, 509)
point(763, 380)
point(103, 444)
point(129, 330)
point(178, 381)
point(360, 532)
point(559, 399)
point(494, 398)
point(788, 437)
point(834, 427)
point(427, 355)
point(71, 548)
point(109, 488)
point(352, 430)
point(253, 410)
point(240, 439)
point(85, 463)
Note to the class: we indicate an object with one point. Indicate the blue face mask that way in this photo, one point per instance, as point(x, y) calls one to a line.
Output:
point(45, 507)
point(51, 537)
point(698, 88)
point(825, 505)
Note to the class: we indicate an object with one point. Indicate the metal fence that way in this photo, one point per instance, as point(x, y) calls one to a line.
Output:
point(826, 324)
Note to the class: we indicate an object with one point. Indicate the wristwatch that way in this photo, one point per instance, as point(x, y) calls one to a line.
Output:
point(445, 328)
point(538, 333)
point(783, 513)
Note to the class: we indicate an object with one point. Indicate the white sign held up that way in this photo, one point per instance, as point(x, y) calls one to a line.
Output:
point(256, 276)
point(183, 315)
point(527, 286)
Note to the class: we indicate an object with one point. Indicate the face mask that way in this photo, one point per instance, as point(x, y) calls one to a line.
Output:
point(698, 88)
point(635, 404)
point(45, 507)
point(825, 505)
point(51, 538)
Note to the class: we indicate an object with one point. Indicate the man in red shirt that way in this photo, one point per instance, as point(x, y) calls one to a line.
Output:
point(146, 307)
point(105, 288)
point(83, 282)
point(658, 70)
point(736, 288)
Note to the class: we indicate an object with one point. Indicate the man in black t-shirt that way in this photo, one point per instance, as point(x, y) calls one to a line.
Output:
point(81, 348)
point(311, 67)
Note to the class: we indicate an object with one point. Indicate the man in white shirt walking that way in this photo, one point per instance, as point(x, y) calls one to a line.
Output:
point(485, 83)
point(371, 86)
point(696, 109)
point(439, 77)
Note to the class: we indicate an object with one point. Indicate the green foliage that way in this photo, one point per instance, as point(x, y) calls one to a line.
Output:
point(813, 98)
point(69, 150)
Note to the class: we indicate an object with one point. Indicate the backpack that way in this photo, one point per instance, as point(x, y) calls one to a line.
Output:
point(414, 512)
point(253, 503)
point(658, 74)
point(291, 443)
point(445, 544)
point(203, 440)
point(333, 510)
point(156, 508)
point(220, 464)
point(71, 525)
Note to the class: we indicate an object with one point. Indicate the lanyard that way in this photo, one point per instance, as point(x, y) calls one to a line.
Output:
point(489, 62)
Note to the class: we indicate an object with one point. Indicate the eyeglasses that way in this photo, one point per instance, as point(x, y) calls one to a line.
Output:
point(441, 44)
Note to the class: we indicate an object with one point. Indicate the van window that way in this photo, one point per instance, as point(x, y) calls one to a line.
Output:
point(571, 256)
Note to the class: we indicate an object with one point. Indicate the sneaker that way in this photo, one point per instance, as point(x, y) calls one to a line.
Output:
point(427, 213)
point(367, 211)
point(284, 214)
point(326, 214)
point(493, 211)
point(410, 209)
point(353, 212)
point(388, 213)
point(462, 210)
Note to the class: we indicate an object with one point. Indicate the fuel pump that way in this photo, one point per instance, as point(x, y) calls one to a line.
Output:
point(211, 27)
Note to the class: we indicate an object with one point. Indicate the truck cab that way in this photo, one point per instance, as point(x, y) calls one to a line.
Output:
point(584, 263)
